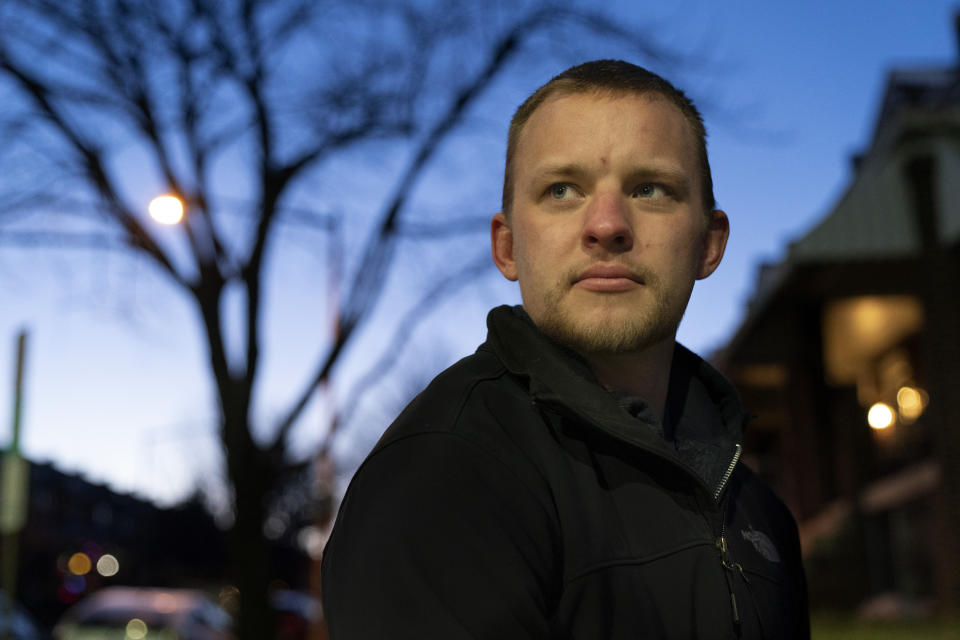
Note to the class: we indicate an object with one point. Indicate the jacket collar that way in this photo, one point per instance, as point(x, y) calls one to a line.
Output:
point(704, 408)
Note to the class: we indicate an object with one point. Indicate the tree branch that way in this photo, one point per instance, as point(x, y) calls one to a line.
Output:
point(365, 290)
point(62, 239)
point(403, 331)
point(93, 163)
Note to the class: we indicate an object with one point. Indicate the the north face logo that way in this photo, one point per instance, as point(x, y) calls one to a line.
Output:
point(761, 543)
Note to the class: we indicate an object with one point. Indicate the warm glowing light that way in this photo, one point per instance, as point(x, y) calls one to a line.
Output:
point(166, 209)
point(136, 629)
point(79, 564)
point(880, 416)
point(912, 402)
point(908, 398)
point(108, 565)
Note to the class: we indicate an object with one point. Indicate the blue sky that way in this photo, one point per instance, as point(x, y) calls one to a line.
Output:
point(115, 382)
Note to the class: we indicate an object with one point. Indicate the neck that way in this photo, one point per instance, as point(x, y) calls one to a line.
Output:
point(645, 374)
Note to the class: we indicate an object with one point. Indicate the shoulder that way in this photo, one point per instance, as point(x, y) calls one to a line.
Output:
point(473, 418)
point(474, 428)
point(448, 471)
point(476, 400)
point(445, 528)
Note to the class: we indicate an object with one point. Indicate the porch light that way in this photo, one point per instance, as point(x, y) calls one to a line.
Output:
point(880, 416)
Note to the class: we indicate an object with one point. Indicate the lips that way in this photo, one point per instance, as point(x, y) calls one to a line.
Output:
point(607, 278)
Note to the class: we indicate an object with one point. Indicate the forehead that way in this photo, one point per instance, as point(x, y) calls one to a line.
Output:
point(612, 126)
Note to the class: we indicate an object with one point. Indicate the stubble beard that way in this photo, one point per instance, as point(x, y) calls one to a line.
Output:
point(590, 331)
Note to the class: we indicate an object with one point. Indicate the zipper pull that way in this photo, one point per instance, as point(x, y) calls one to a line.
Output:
point(728, 572)
point(742, 574)
point(722, 547)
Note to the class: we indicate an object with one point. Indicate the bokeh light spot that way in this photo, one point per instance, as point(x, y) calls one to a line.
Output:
point(312, 540)
point(911, 401)
point(74, 584)
point(108, 565)
point(880, 416)
point(136, 629)
point(79, 564)
point(64, 595)
point(166, 209)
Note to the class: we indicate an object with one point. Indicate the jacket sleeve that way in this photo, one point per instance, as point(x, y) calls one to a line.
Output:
point(438, 538)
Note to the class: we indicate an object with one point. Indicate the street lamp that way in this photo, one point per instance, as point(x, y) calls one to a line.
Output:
point(166, 209)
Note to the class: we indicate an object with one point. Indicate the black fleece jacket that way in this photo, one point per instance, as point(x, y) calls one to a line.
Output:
point(515, 498)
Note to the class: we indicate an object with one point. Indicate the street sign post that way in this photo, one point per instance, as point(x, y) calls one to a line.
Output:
point(13, 498)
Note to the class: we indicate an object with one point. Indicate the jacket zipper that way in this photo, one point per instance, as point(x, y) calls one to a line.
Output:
point(728, 566)
point(721, 542)
point(728, 473)
point(563, 411)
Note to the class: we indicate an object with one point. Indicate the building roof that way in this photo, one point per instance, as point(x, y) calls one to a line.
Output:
point(926, 88)
point(874, 218)
point(920, 113)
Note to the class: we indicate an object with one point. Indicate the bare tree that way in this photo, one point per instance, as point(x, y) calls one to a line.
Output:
point(278, 88)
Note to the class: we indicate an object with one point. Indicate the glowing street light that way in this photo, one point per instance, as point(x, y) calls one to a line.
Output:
point(166, 209)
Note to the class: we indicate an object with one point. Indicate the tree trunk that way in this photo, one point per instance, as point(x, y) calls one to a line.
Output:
point(249, 549)
point(250, 564)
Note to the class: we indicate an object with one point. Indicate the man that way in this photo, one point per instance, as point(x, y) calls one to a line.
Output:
point(579, 475)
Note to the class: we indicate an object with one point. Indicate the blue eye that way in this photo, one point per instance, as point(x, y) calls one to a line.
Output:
point(560, 190)
point(649, 190)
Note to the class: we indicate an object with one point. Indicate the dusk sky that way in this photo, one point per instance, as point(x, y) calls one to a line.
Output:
point(115, 386)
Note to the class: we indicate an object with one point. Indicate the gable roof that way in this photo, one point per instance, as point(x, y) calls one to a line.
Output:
point(919, 114)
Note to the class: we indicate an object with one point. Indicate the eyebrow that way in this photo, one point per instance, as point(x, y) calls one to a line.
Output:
point(669, 174)
point(558, 171)
point(649, 172)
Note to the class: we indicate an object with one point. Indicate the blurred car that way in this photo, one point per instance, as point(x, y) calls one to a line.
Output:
point(296, 612)
point(140, 613)
point(20, 625)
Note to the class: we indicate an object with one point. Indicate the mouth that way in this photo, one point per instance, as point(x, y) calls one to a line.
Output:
point(608, 278)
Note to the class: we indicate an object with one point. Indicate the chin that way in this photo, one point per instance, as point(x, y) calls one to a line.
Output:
point(601, 331)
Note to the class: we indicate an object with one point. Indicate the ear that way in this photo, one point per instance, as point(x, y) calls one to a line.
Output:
point(714, 243)
point(501, 245)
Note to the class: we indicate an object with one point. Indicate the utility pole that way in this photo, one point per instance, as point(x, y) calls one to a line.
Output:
point(13, 499)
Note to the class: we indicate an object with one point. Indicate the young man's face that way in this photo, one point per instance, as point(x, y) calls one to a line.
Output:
point(607, 233)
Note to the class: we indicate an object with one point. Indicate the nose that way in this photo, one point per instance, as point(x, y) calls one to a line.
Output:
point(608, 224)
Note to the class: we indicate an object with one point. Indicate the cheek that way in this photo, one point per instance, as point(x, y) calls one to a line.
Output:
point(533, 249)
point(686, 241)
point(680, 253)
